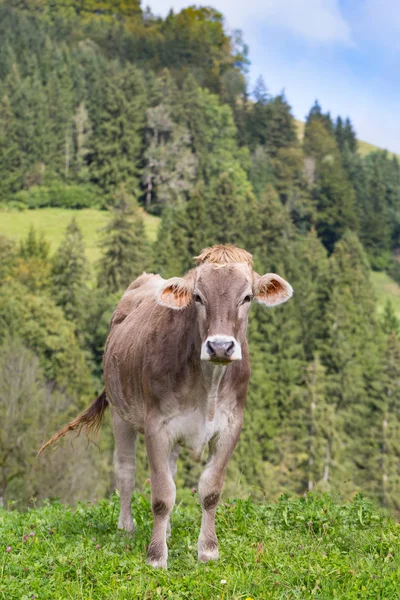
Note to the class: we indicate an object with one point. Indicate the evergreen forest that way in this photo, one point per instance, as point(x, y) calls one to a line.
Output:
point(105, 105)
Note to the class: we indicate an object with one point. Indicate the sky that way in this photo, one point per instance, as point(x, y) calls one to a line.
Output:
point(345, 53)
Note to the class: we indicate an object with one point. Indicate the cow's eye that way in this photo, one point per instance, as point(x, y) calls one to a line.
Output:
point(198, 298)
point(247, 298)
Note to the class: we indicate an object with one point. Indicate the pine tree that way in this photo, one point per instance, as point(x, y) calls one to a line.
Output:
point(281, 128)
point(231, 209)
point(272, 450)
point(258, 117)
point(32, 268)
point(390, 322)
point(118, 122)
point(275, 229)
point(389, 452)
point(345, 136)
point(197, 222)
point(291, 183)
point(351, 351)
point(260, 173)
point(212, 131)
point(171, 252)
point(260, 91)
point(308, 271)
point(333, 194)
point(69, 276)
point(8, 259)
point(375, 227)
point(34, 246)
point(11, 171)
point(349, 136)
point(124, 245)
point(316, 114)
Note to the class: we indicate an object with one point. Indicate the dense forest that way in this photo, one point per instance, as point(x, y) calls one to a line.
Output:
point(105, 105)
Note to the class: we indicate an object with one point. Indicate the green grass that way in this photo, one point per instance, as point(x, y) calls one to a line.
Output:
point(365, 148)
point(386, 289)
point(311, 547)
point(53, 221)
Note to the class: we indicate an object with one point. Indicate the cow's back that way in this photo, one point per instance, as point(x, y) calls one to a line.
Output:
point(149, 350)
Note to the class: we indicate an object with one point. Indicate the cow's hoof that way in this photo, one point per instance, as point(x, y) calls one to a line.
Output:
point(206, 555)
point(126, 525)
point(157, 555)
point(157, 564)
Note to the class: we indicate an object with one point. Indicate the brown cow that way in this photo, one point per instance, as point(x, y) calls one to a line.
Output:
point(176, 368)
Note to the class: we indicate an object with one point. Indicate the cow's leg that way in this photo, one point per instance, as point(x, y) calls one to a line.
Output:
point(173, 467)
point(210, 487)
point(162, 494)
point(125, 466)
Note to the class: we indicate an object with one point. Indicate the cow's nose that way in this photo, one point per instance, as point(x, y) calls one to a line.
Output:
point(220, 349)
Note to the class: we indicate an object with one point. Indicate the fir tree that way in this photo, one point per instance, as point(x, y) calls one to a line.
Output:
point(281, 128)
point(118, 122)
point(390, 322)
point(69, 276)
point(11, 171)
point(125, 248)
point(333, 194)
point(171, 252)
point(32, 268)
point(375, 227)
point(316, 114)
point(389, 453)
point(351, 351)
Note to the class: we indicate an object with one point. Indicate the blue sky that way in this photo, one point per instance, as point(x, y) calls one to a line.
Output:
point(345, 53)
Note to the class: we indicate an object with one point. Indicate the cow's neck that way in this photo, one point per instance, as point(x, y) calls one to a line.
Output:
point(212, 377)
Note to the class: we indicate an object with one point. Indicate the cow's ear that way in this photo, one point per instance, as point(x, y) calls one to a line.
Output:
point(175, 293)
point(272, 289)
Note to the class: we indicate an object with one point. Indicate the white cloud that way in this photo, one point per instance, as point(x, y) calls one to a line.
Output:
point(317, 21)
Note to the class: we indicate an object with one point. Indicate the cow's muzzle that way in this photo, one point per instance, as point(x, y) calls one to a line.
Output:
point(221, 349)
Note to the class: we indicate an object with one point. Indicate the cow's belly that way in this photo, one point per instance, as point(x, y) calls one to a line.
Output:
point(194, 430)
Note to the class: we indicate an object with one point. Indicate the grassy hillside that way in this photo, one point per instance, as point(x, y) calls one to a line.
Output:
point(364, 148)
point(386, 289)
point(53, 221)
point(308, 547)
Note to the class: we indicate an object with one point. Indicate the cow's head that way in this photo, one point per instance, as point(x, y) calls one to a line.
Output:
point(222, 291)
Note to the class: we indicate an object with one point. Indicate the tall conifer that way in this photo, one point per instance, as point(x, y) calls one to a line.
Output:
point(125, 249)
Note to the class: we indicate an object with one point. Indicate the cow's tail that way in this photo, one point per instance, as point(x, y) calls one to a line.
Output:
point(90, 420)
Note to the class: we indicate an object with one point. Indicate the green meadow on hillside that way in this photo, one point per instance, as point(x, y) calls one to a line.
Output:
point(386, 289)
point(310, 547)
point(53, 222)
point(364, 148)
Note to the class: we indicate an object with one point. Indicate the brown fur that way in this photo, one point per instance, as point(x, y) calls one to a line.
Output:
point(90, 420)
point(224, 254)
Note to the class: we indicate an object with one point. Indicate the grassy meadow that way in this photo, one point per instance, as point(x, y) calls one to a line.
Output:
point(386, 289)
point(309, 547)
point(364, 148)
point(53, 222)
